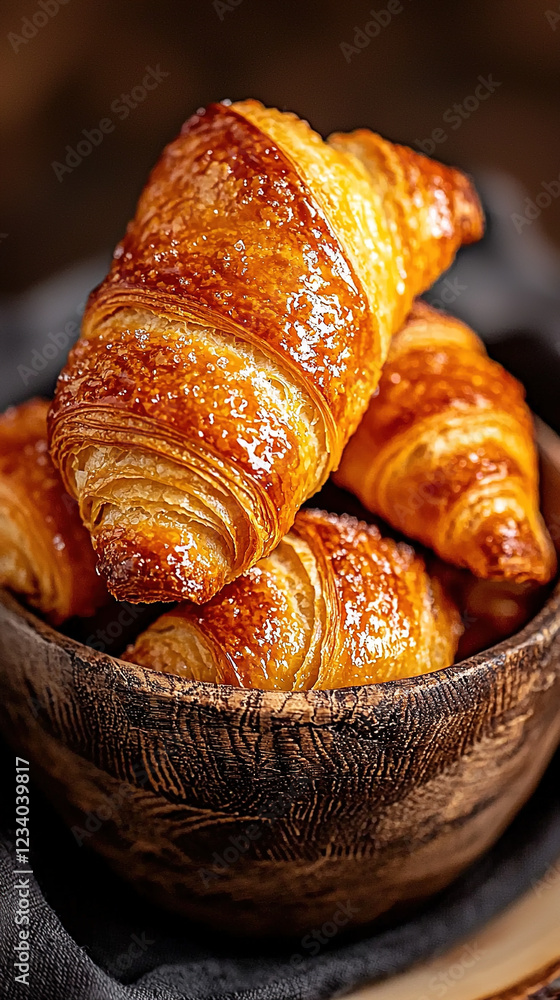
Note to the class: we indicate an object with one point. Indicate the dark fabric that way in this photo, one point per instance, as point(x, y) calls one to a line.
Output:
point(91, 937)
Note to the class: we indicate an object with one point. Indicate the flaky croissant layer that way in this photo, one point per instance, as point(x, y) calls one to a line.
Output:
point(45, 551)
point(446, 453)
point(233, 347)
point(335, 604)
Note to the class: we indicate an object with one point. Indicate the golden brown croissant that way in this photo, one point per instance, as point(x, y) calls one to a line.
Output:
point(335, 604)
point(45, 551)
point(446, 453)
point(233, 347)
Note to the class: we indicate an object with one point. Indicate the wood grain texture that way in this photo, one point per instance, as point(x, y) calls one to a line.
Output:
point(261, 811)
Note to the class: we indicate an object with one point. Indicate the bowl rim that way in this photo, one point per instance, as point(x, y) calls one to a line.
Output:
point(315, 703)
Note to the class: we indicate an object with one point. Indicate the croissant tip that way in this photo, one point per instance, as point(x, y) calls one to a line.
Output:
point(146, 568)
point(525, 556)
point(467, 208)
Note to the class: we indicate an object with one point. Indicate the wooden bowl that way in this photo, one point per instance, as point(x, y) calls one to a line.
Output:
point(267, 812)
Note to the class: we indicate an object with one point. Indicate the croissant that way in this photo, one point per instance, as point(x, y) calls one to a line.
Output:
point(335, 604)
point(45, 551)
point(446, 453)
point(232, 349)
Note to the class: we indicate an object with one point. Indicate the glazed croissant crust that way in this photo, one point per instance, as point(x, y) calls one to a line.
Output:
point(232, 349)
point(446, 453)
point(45, 551)
point(335, 604)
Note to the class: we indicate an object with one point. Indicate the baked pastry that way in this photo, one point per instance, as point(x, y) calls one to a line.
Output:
point(491, 610)
point(232, 349)
point(45, 551)
point(335, 604)
point(446, 453)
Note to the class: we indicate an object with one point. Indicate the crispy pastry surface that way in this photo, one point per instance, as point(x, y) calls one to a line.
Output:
point(335, 604)
point(446, 453)
point(45, 551)
point(232, 349)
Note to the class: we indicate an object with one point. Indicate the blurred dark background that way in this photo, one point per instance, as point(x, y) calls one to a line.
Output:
point(66, 66)
point(286, 53)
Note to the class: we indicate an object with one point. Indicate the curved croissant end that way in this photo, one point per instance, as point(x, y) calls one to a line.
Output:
point(45, 551)
point(446, 453)
point(441, 203)
point(335, 604)
point(233, 348)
